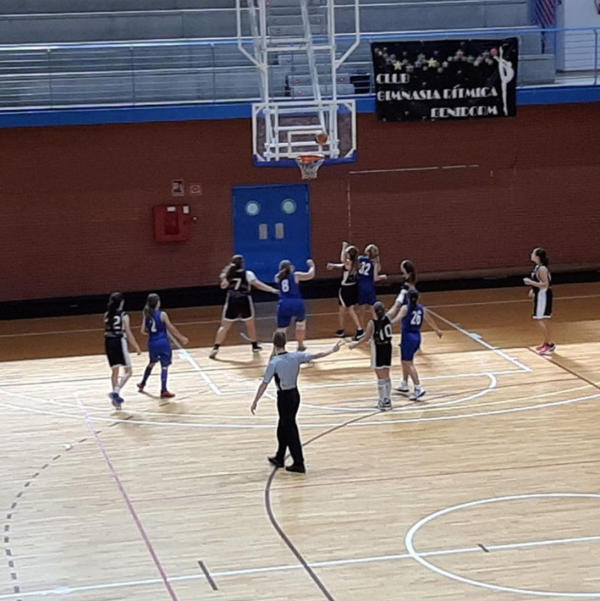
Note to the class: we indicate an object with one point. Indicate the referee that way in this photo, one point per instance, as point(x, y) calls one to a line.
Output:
point(285, 367)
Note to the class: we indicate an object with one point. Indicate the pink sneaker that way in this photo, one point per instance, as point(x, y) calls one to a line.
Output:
point(541, 346)
point(547, 349)
point(165, 394)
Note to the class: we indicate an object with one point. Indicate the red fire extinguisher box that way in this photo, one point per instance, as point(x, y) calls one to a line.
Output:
point(172, 223)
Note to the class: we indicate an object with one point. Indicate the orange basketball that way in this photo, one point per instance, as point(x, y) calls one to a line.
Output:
point(322, 138)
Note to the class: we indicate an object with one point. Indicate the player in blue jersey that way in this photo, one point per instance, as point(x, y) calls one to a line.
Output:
point(409, 275)
point(117, 333)
point(348, 292)
point(368, 275)
point(412, 315)
point(379, 332)
point(157, 325)
point(291, 303)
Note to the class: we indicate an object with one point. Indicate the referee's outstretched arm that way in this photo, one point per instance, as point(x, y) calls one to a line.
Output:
point(269, 372)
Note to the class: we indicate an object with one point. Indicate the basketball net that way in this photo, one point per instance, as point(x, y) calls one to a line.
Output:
point(309, 164)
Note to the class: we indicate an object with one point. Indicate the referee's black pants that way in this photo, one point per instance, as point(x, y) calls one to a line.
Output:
point(288, 402)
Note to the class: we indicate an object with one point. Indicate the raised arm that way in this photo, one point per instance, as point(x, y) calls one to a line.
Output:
point(173, 330)
point(368, 335)
point(331, 266)
point(431, 322)
point(130, 337)
point(345, 245)
point(306, 275)
point(401, 315)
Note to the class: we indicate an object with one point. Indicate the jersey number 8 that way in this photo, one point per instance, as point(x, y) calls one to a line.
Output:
point(285, 286)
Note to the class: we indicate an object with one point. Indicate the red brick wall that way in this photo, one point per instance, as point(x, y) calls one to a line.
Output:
point(75, 202)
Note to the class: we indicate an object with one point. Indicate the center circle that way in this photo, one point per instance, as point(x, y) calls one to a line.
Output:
point(409, 542)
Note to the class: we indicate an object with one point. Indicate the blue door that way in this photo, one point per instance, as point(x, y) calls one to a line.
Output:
point(271, 223)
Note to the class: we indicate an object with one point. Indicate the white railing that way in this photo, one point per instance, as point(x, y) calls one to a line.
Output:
point(214, 70)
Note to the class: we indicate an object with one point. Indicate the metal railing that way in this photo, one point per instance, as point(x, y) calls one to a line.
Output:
point(214, 70)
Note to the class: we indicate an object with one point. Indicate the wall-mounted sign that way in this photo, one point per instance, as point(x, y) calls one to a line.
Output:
point(445, 79)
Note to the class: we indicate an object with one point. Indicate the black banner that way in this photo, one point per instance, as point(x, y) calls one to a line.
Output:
point(446, 79)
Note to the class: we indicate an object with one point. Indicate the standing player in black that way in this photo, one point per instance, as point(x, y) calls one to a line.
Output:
point(348, 292)
point(117, 333)
point(238, 282)
point(541, 292)
point(379, 332)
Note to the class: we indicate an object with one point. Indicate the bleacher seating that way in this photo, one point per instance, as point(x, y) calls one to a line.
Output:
point(134, 70)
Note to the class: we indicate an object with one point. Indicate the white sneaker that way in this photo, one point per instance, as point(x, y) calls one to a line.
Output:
point(387, 404)
point(417, 394)
point(213, 353)
point(381, 405)
point(403, 388)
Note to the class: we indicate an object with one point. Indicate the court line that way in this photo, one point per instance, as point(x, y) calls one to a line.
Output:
point(408, 408)
point(324, 314)
point(209, 578)
point(128, 502)
point(130, 420)
point(569, 371)
point(68, 590)
point(408, 541)
point(282, 534)
point(190, 359)
point(493, 383)
point(477, 338)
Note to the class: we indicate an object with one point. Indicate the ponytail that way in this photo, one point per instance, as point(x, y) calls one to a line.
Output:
point(114, 302)
point(411, 270)
point(352, 253)
point(285, 268)
point(413, 297)
point(237, 262)
point(151, 303)
point(541, 254)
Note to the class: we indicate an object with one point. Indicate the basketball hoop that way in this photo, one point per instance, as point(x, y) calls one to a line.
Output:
point(309, 164)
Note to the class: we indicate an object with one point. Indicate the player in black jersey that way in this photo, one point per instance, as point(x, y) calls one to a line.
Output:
point(541, 292)
point(348, 292)
point(238, 282)
point(117, 333)
point(379, 332)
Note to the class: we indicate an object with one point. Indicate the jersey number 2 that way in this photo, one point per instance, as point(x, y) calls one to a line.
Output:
point(416, 319)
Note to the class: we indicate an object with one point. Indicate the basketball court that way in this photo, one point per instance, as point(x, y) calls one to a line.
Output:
point(487, 490)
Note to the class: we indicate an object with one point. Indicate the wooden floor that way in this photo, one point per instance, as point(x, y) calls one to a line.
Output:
point(489, 490)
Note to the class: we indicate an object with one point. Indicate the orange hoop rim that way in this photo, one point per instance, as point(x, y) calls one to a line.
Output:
point(307, 159)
